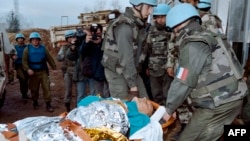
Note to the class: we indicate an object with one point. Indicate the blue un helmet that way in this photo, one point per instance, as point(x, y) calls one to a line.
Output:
point(19, 35)
point(138, 2)
point(69, 33)
point(161, 9)
point(180, 13)
point(35, 35)
point(204, 4)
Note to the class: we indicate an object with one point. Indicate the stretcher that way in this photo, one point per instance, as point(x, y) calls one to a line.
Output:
point(85, 134)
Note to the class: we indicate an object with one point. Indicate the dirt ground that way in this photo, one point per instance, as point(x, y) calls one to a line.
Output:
point(16, 109)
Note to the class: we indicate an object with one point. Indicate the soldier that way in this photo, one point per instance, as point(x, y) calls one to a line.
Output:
point(35, 58)
point(21, 74)
point(122, 46)
point(157, 42)
point(206, 74)
point(210, 21)
point(67, 67)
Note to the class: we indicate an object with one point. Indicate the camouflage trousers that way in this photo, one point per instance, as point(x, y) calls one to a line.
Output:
point(40, 78)
point(68, 81)
point(208, 124)
point(118, 87)
point(159, 88)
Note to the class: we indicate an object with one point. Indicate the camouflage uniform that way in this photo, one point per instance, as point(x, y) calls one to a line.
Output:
point(67, 69)
point(184, 112)
point(204, 74)
point(173, 52)
point(211, 22)
point(122, 56)
point(159, 79)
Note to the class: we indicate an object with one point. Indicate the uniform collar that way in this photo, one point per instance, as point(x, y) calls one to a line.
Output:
point(130, 13)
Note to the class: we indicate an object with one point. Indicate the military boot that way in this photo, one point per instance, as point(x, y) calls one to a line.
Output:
point(49, 108)
point(67, 105)
point(35, 104)
point(25, 96)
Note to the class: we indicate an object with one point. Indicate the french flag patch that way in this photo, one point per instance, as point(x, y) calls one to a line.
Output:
point(182, 73)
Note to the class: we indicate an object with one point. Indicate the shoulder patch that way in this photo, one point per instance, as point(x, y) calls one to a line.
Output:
point(182, 73)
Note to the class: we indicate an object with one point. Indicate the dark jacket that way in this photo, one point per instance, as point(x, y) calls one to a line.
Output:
point(94, 52)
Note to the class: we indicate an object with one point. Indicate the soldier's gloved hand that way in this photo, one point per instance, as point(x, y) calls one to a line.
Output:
point(132, 94)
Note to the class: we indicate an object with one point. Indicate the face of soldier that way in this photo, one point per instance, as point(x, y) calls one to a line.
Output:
point(145, 10)
point(161, 20)
point(35, 42)
point(71, 39)
point(143, 105)
point(178, 28)
point(193, 2)
point(20, 41)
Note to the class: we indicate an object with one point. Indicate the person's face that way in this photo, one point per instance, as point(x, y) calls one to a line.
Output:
point(35, 42)
point(70, 39)
point(98, 35)
point(144, 105)
point(99, 32)
point(178, 28)
point(161, 20)
point(193, 2)
point(146, 10)
point(20, 41)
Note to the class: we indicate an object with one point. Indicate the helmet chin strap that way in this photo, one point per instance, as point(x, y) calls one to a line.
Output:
point(139, 11)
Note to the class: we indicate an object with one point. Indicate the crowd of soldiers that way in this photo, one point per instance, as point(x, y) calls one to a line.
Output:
point(177, 61)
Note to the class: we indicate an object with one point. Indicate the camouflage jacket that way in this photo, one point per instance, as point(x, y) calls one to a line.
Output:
point(173, 52)
point(123, 46)
point(204, 73)
point(157, 42)
point(67, 65)
point(211, 22)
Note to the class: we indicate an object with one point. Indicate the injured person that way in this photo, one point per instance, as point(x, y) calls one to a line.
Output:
point(133, 120)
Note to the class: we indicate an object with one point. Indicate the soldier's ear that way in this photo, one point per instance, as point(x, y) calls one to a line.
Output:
point(168, 29)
